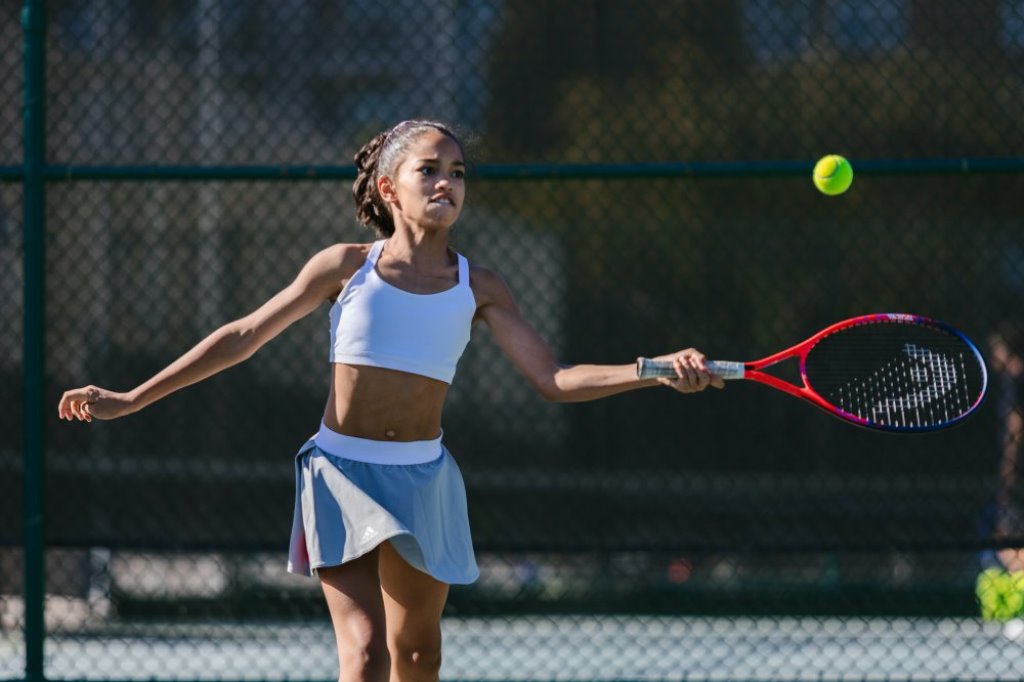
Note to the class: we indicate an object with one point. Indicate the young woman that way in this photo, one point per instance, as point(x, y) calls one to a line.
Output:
point(380, 510)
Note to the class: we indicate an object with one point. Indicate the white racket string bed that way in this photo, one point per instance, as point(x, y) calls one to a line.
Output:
point(892, 372)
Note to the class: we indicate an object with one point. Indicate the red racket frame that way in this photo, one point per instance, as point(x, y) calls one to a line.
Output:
point(753, 370)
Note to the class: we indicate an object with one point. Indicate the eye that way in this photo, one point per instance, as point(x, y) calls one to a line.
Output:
point(426, 170)
point(460, 174)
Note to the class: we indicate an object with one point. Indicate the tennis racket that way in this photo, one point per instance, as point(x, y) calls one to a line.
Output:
point(892, 372)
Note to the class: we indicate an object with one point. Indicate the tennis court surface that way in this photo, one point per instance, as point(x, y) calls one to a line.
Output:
point(565, 648)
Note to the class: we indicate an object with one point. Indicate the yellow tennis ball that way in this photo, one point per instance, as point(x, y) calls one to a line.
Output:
point(1000, 594)
point(833, 174)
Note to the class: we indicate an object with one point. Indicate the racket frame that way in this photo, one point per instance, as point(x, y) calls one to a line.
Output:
point(754, 370)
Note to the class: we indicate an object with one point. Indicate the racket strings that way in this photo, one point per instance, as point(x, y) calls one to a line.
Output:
point(915, 390)
point(931, 380)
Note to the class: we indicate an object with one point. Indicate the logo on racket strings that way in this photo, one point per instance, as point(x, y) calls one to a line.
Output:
point(919, 378)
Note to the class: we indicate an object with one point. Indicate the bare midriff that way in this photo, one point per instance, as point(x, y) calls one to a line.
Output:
point(384, 404)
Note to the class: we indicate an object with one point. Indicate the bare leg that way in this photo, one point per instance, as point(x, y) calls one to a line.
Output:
point(413, 602)
point(353, 594)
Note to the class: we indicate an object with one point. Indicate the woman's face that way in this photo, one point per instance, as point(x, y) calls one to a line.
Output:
point(429, 185)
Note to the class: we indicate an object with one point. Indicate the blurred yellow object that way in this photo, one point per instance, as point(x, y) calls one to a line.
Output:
point(1000, 594)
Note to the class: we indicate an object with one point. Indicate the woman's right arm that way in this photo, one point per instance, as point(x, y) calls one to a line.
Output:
point(319, 280)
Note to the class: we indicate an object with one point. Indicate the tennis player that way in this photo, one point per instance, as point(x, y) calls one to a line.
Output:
point(380, 507)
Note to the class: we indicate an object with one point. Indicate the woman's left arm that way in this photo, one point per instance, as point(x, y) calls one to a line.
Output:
point(532, 356)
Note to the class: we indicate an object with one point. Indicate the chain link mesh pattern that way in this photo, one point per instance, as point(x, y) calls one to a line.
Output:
point(730, 535)
point(11, 84)
point(11, 382)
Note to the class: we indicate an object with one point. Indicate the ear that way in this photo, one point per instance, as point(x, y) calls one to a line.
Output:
point(386, 189)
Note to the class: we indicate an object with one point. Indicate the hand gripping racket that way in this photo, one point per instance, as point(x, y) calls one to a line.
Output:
point(892, 372)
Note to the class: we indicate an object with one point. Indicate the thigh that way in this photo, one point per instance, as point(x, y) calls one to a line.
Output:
point(354, 600)
point(413, 602)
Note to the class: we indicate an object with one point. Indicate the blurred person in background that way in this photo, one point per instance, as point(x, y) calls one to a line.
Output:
point(1000, 586)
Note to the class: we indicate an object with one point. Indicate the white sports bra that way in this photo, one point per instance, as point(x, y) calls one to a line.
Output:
point(377, 324)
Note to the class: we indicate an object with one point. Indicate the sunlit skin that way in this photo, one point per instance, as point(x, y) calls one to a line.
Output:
point(426, 197)
point(386, 614)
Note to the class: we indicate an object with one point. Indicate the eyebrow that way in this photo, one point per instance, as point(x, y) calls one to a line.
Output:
point(454, 163)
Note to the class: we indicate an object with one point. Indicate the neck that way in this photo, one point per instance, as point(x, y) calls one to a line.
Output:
point(422, 247)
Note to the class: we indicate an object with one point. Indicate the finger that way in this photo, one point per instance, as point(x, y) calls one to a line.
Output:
point(64, 408)
point(67, 401)
point(699, 376)
point(717, 381)
point(692, 358)
point(680, 385)
point(703, 376)
point(700, 361)
point(675, 384)
point(683, 380)
point(78, 407)
point(687, 374)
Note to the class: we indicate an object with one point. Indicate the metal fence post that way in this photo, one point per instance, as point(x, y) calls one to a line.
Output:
point(34, 24)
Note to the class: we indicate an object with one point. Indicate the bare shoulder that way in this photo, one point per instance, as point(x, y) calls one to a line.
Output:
point(339, 261)
point(343, 258)
point(488, 286)
point(331, 267)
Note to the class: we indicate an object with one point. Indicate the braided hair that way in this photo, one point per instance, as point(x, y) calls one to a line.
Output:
point(381, 157)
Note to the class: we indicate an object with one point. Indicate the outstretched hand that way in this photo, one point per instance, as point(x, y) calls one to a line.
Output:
point(692, 373)
point(89, 402)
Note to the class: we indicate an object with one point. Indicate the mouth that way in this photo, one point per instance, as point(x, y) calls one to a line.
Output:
point(442, 199)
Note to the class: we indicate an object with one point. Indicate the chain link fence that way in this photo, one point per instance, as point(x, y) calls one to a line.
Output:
point(728, 535)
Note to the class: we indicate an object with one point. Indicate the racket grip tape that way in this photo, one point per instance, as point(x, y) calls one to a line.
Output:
point(647, 368)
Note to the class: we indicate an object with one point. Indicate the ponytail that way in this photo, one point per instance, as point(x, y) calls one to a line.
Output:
point(381, 157)
point(370, 207)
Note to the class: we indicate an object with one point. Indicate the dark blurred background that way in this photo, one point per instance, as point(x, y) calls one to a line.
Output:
point(734, 502)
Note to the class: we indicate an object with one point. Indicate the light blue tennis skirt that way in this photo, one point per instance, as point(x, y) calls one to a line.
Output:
point(351, 494)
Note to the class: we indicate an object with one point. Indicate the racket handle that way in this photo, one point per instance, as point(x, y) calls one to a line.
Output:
point(647, 368)
point(727, 369)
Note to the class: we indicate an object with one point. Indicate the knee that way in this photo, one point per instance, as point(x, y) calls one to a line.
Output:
point(417, 660)
point(367, 661)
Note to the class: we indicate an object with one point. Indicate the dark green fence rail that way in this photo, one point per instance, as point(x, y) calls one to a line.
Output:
point(593, 171)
